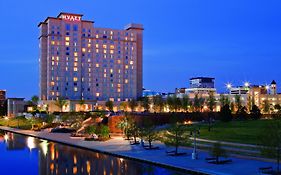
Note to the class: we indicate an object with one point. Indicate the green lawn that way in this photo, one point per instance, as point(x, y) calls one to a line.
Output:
point(235, 131)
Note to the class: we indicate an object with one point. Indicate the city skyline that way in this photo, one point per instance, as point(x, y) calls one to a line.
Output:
point(235, 41)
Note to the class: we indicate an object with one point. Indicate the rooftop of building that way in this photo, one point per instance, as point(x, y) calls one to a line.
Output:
point(193, 78)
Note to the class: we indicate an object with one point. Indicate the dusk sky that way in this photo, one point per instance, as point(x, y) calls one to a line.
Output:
point(232, 40)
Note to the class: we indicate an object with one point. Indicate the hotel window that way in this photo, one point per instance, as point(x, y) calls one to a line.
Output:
point(97, 65)
point(67, 38)
point(111, 51)
point(104, 51)
point(104, 46)
point(75, 64)
point(52, 83)
point(97, 94)
point(97, 45)
point(75, 27)
point(53, 42)
point(67, 43)
point(126, 81)
point(126, 66)
point(75, 54)
point(111, 46)
point(75, 89)
point(89, 45)
point(97, 36)
point(76, 59)
point(75, 79)
point(83, 50)
point(131, 62)
point(75, 69)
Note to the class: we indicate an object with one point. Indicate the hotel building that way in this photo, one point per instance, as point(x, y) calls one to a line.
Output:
point(81, 62)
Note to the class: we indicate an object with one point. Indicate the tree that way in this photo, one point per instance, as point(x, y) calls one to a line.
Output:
point(185, 103)
point(35, 100)
point(109, 104)
point(270, 139)
point(133, 104)
point(198, 103)
point(217, 151)
point(145, 103)
point(61, 102)
point(224, 100)
point(81, 103)
point(266, 106)
point(176, 135)
point(125, 125)
point(49, 118)
point(225, 114)
point(134, 131)
point(123, 105)
point(255, 112)
point(149, 134)
point(238, 104)
point(158, 103)
point(170, 103)
point(277, 107)
point(211, 101)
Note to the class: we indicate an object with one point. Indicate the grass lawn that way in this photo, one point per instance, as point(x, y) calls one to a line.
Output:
point(235, 131)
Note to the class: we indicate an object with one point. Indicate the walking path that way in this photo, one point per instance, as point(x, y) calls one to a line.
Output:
point(119, 147)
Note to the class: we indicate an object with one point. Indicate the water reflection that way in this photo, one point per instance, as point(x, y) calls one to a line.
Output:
point(58, 159)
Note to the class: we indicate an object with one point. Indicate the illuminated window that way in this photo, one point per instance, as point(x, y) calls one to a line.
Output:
point(119, 85)
point(58, 58)
point(75, 54)
point(89, 45)
point(75, 89)
point(97, 50)
point(104, 75)
point(75, 69)
point(111, 46)
point(97, 36)
point(111, 51)
point(75, 79)
point(53, 42)
point(118, 90)
point(83, 50)
point(76, 59)
point(131, 62)
point(52, 83)
point(97, 94)
point(126, 66)
point(53, 63)
point(104, 51)
point(97, 65)
point(126, 81)
point(111, 70)
point(66, 68)
point(67, 43)
point(97, 45)
point(75, 64)
point(67, 38)
point(111, 32)
point(53, 58)
point(53, 93)
point(119, 61)
point(104, 46)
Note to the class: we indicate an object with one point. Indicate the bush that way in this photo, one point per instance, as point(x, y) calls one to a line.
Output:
point(90, 129)
point(103, 131)
point(225, 114)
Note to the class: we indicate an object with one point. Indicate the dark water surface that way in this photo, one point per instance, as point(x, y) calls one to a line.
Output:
point(22, 155)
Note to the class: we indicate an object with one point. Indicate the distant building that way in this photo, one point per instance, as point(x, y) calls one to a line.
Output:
point(81, 62)
point(2, 95)
point(202, 82)
point(3, 103)
point(149, 93)
point(15, 106)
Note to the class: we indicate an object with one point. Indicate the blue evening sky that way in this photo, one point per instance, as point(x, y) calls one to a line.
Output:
point(231, 40)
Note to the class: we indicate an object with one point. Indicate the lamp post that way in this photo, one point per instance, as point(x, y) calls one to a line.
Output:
point(194, 154)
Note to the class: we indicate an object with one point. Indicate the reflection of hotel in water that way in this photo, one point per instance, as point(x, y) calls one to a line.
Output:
point(58, 159)
point(62, 159)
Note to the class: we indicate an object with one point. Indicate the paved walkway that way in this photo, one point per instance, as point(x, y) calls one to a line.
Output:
point(118, 146)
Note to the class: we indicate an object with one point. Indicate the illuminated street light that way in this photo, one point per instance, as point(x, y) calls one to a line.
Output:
point(228, 85)
point(267, 87)
point(246, 84)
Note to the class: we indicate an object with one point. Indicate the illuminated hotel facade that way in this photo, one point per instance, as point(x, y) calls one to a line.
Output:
point(81, 62)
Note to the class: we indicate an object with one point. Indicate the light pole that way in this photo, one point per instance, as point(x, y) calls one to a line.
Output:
point(194, 154)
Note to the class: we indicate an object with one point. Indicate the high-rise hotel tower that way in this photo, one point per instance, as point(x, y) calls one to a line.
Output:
point(81, 62)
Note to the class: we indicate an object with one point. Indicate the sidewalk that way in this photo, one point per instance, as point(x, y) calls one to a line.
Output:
point(119, 147)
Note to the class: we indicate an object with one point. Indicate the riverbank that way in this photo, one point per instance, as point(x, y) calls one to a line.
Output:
point(117, 146)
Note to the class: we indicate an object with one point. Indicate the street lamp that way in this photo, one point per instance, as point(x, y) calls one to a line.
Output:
point(246, 84)
point(194, 154)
